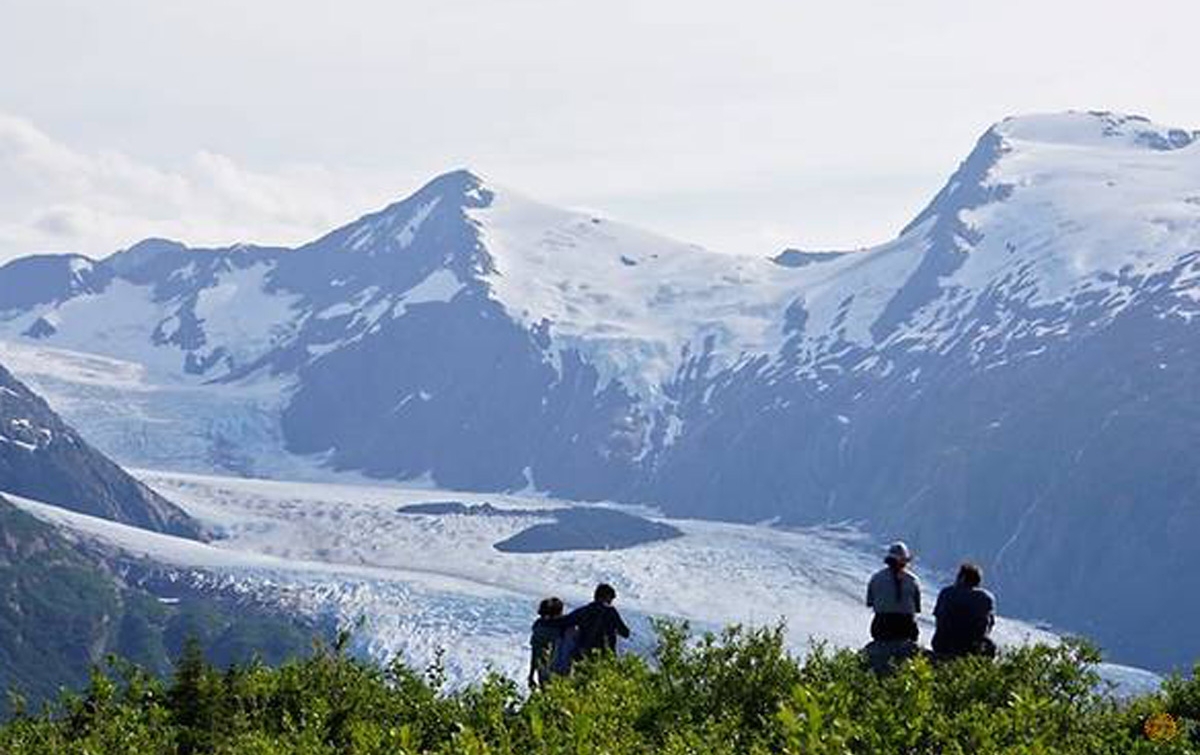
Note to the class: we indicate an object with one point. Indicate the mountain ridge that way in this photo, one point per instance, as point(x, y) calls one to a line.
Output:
point(960, 385)
point(42, 457)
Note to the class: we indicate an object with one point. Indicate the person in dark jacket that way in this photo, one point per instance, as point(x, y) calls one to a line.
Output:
point(544, 642)
point(965, 613)
point(597, 625)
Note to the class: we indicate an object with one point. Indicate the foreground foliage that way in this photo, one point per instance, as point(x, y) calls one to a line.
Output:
point(735, 693)
point(64, 607)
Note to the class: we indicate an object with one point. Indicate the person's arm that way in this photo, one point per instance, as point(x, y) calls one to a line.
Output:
point(620, 625)
point(917, 594)
point(871, 593)
point(536, 650)
point(565, 622)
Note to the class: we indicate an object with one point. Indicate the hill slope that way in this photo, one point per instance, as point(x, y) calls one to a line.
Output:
point(41, 457)
point(64, 607)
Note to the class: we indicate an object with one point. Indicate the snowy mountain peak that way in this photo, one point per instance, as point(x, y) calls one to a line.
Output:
point(1094, 129)
point(428, 229)
point(459, 189)
point(1039, 145)
point(462, 185)
point(968, 187)
point(143, 254)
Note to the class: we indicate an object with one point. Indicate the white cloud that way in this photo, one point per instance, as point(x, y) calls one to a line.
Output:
point(55, 198)
point(731, 125)
point(728, 124)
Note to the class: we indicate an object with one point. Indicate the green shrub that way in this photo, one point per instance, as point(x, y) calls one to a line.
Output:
point(735, 693)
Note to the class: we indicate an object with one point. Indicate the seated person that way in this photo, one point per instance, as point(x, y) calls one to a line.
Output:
point(895, 595)
point(965, 613)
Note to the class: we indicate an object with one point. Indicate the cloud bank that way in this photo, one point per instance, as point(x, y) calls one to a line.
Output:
point(54, 198)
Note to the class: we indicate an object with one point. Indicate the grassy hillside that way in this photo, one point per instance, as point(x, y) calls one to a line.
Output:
point(63, 609)
point(738, 693)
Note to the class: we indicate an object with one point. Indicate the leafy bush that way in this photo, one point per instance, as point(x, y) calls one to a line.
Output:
point(63, 607)
point(734, 693)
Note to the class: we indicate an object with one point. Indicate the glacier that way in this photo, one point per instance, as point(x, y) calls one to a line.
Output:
point(1010, 379)
point(414, 585)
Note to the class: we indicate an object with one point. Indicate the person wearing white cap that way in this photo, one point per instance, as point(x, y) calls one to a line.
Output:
point(895, 595)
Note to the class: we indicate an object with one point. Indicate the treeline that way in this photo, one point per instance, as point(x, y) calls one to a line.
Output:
point(737, 693)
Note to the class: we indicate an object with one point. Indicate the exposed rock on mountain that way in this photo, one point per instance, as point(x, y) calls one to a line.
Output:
point(43, 458)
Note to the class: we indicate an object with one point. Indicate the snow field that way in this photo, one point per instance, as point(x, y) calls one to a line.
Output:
point(423, 582)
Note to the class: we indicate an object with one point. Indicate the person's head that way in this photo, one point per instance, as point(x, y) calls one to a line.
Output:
point(969, 575)
point(550, 608)
point(898, 555)
point(604, 593)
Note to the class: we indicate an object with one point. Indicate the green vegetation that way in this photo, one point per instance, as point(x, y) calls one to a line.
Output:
point(736, 693)
point(62, 609)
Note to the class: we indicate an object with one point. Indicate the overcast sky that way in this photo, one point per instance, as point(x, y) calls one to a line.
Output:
point(743, 126)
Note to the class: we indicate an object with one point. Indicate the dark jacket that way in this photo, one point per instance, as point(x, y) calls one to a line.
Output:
point(598, 625)
point(543, 642)
point(964, 618)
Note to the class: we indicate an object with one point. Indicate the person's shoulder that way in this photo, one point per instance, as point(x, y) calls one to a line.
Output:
point(986, 594)
point(883, 573)
point(603, 609)
point(588, 609)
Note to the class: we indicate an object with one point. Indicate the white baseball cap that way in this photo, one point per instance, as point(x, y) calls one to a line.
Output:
point(899, 551)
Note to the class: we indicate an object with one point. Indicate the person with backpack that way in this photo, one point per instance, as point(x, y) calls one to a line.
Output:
point(965, 613)
point(545, 643)
point(596, 625)
point(895, 595)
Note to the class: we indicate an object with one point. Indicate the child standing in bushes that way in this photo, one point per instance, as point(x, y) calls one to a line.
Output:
point(545, 642)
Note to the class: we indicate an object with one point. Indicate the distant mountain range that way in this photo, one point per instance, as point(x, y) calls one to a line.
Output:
point(1013, 379)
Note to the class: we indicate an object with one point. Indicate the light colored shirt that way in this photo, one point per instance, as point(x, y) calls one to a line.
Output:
point(883, 596)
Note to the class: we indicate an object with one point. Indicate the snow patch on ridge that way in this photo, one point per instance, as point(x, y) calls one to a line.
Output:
point(238, 315)
point(441, 286)
point(409, 231)
point(118, 323)
point(631, 302)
